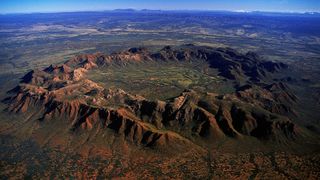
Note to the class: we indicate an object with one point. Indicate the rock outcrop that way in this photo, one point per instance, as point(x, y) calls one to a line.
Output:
point(62, 92)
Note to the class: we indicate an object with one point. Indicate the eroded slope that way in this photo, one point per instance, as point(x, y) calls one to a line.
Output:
point(256, 110)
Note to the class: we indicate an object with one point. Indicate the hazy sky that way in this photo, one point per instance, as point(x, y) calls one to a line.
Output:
point(13, 6)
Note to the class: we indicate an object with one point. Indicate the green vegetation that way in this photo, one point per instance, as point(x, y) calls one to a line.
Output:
point(156, 80)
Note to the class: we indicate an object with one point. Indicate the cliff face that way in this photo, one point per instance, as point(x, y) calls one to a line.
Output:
point(63, 92)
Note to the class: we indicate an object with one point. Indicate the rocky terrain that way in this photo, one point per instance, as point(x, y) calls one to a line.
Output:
point(60, 105)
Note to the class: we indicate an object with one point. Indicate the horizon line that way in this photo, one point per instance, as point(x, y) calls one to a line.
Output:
point(141, 10)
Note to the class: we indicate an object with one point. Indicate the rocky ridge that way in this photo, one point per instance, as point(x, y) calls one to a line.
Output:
point(258, 110)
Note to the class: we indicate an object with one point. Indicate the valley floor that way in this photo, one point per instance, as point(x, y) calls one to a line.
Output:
point(25, 159)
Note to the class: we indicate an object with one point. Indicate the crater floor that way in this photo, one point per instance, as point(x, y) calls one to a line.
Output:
point(161, 80)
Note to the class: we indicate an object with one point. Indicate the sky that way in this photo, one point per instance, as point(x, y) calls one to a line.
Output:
point(27, 6)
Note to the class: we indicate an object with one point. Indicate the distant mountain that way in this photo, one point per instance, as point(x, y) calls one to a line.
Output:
point(125, 10)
